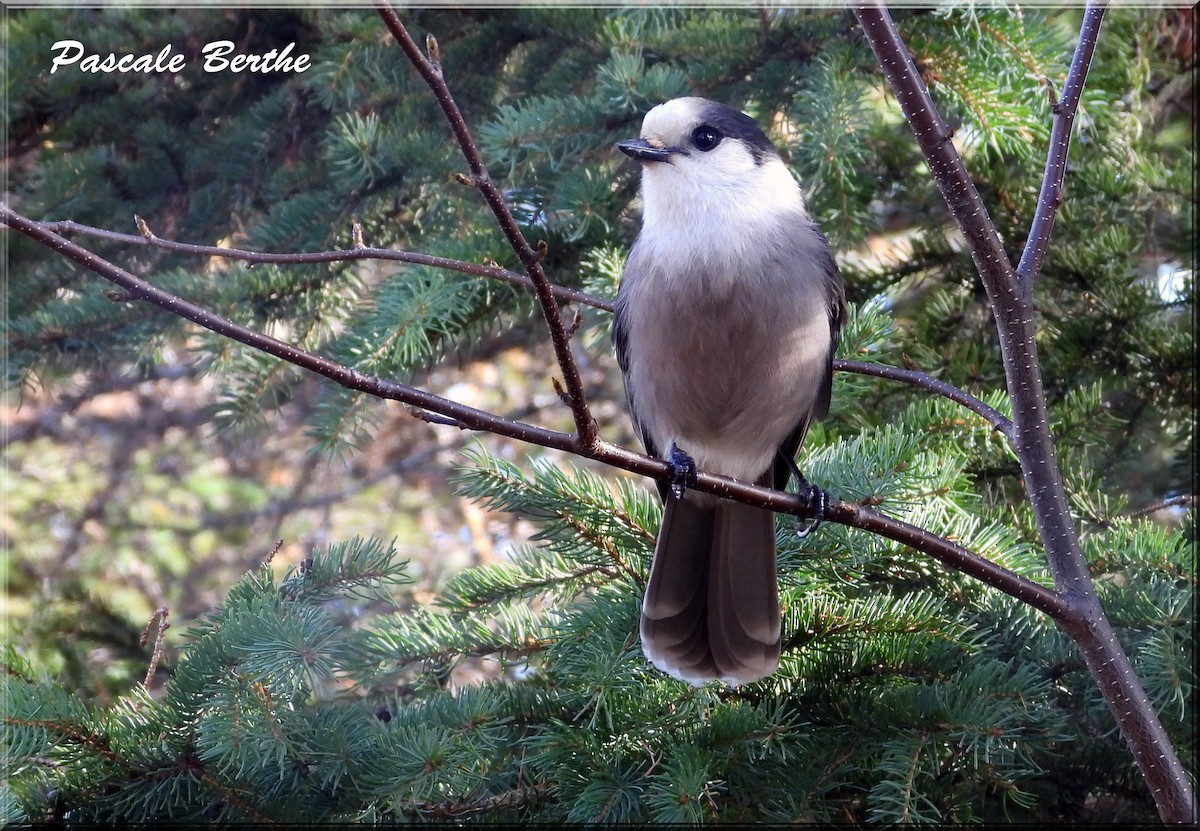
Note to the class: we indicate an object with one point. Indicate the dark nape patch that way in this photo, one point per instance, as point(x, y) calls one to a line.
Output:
point(736, 124)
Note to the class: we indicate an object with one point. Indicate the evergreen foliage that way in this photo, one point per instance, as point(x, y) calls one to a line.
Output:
point(906, 693)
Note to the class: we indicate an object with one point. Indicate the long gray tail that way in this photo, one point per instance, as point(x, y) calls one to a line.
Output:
point(712, 601)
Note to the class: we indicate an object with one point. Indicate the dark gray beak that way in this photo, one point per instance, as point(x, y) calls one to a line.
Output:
point(643, 151)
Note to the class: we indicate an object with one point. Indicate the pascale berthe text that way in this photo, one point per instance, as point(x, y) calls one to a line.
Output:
point(218, 57)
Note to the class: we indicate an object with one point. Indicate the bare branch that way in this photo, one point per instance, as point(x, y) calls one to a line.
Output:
point(922, 379)
point(956, 557)
point(343, 375)
point(1187, 500)
point(431, 71)
point(434, 418)
point(1032, 443)
point(358, 252)
point(1050, 196)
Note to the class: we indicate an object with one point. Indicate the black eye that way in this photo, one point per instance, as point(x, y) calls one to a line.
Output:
point(705, 138)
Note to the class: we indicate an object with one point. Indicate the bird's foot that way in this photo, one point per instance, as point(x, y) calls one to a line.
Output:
point(683, 471)
point(818, 499)
point(818, 503)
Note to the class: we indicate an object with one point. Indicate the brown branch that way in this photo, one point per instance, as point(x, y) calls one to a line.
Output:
point(924, 380)
point(941, 549)
point(431, 71)
point(358, 252)
point(1185, 501)
point(1050, 196)
point(1032, 442)
point(343, 375)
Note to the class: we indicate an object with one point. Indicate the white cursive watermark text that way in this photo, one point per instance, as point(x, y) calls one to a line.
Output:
point(218, 57)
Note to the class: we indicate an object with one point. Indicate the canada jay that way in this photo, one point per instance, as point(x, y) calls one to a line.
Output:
point(726, 322)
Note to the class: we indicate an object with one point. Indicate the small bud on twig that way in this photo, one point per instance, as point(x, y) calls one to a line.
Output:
point(464, 179)
point(1051, 96)
point(143, 228)
point(356, 236)
point(562, 394)
point(576, 322)
point(435, 53)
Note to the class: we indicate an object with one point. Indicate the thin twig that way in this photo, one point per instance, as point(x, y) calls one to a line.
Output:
point(855, 516)
point(1050, 196)
point(358, 252)
point(158, 621)
point(434, 418)
point(1185, 501)
point(431, 71)
point(916, 378)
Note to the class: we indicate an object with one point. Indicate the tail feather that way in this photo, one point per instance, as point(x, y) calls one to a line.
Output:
point(712, 601)
point(674, 613)
point(743, 615)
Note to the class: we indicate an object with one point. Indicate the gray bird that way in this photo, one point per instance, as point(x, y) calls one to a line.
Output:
point(727, 318)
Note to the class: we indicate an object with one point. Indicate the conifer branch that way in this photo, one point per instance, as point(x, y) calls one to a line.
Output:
point(431, 71)
point(1050, 196)
point(229, 794)
point(456, 810)
point(1085, 622)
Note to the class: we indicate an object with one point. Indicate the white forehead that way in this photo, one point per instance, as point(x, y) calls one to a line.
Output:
point(674, 118)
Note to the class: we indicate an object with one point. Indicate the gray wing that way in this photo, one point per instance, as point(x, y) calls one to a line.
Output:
point(835, 298)
point(620, 336)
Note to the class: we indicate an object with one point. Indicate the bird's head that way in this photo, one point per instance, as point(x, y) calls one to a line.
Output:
point(703, 159)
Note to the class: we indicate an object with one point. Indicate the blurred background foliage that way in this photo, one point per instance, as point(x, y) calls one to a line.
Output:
point(149, 463)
